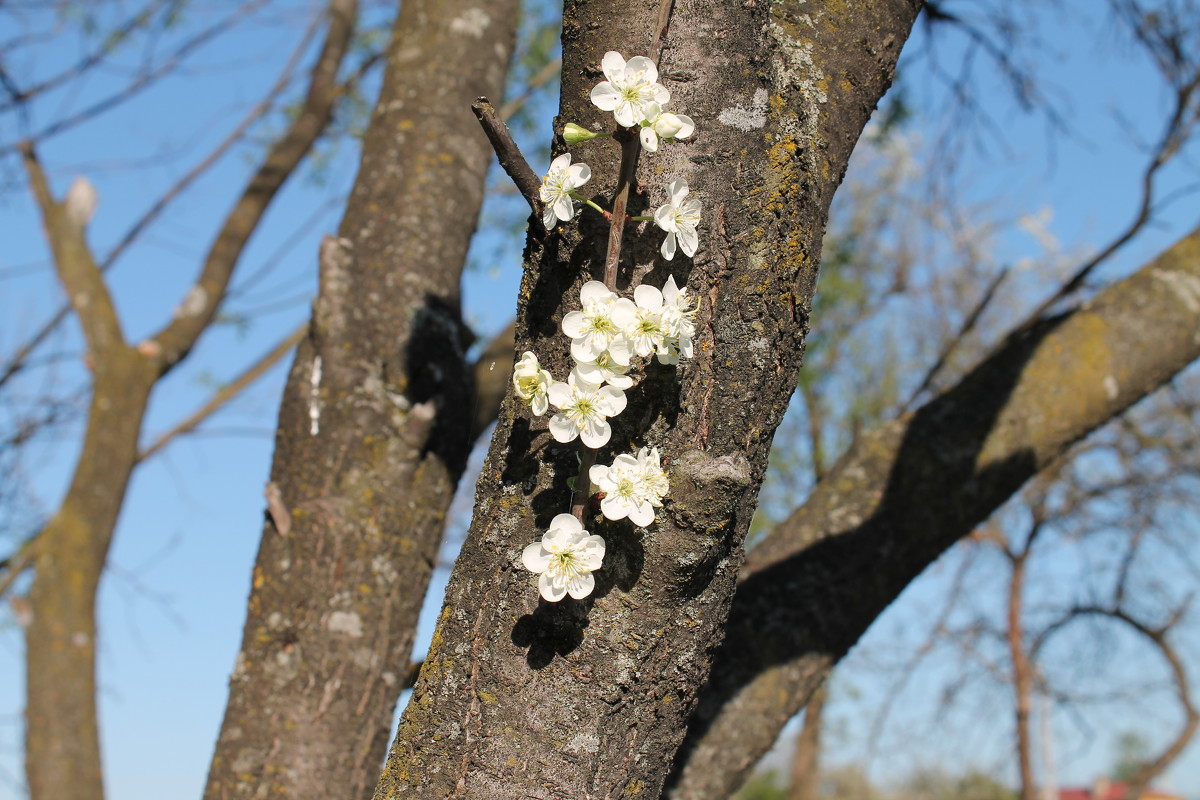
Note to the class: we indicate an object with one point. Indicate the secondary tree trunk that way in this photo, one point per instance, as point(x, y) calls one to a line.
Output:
point(910, 489)
point(519, 698)
point(62, 746)
point(374, 429)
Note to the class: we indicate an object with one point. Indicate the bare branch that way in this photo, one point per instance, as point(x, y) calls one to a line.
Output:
point(74, 263)
point(145, 80)
point(198, 308)
point(227, 392)
point(511, 159)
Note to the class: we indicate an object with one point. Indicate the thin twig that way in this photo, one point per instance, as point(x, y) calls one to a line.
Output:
point(664, 22)
point(511, 160)
point(968, 325)
point(227, 392)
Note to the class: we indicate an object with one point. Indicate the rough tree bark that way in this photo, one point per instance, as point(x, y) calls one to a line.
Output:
point(62, 748)
point(911, 488)
point(519, 698)
point(371, 439)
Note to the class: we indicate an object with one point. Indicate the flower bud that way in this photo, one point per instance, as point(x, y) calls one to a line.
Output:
point(574, 134)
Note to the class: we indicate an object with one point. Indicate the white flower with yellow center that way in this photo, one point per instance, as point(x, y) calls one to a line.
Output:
point(599, 326)
point(562, 179)
point(678, 313)
point(654, 481)
point(631, 87)
point(583, 410)
point(679, 218)
point(530, 382)
point(647, 332)
point(604, 370)
point(633, 486)
point(565, 559)
point(660, 125)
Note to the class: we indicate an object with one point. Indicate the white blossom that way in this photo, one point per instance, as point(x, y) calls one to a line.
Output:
point(599, 326)
point(583, 410)
point(655, 484)
point(630, 87)
point(633, 486)
point(565, 559)
point(604, 370)
point(679, 218)
point(678, 313)
point(557, 186)
point(661, 125)
point(531, 382)
point(646, 333)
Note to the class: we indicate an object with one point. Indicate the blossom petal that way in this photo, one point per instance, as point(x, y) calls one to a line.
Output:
point(624, 112)
point(584, 349)
point(593, 552)
point(562, 162)
point(595, 433)
point(535, 557)
point(649, 139)
point(660, 93)
point(562, 429)
point(620, 350)
point(590, 371)
point(540, 405)
point(581, 586)
point(594, 292)
point(550, 589)
point(599, 477)
point(573, 324)
point(622, 312)
point(677, 190)
point(687, 127)
point(580, 174)
point(565, 524)
point(564, 209)
point(688, 240)
point(664, 218)
point(548, 216)
point(613, 65)
point(648, 297)
point(604, 96)
point(620, 381)
point(643, 65)
point(641, 514)
point(670, 290)
point(625, 460)
point(668, 245)
point(612, 400)
point(614, 507)
point(559, 393)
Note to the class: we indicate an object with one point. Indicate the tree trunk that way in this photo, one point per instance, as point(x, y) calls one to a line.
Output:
point(520, 698)
point(62, 757)
point(62, 744)
point(908, 490)
point(374, 429)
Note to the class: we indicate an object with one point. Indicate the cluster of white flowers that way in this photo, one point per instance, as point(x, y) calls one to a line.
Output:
point(633, 487)
point(607, 333)
point(631, 91)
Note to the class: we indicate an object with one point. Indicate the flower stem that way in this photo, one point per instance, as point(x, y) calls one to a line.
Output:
point(630, 150)
point(607, 214)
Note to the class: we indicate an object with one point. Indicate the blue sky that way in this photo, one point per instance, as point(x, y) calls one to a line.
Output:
point(171, 607)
